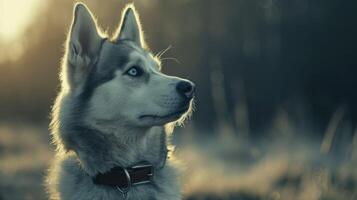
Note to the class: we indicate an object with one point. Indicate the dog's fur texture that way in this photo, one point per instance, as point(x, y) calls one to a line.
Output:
point(106, 116)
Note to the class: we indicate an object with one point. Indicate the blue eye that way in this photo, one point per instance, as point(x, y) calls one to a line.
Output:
point(134, 71)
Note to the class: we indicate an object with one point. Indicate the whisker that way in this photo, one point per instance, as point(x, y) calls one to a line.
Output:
point(162, 52)
point(170, 58)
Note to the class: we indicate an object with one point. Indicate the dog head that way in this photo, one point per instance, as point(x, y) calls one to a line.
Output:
point(117, 80)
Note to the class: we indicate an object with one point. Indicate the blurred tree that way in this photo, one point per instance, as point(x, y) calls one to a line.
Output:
point(293, 55)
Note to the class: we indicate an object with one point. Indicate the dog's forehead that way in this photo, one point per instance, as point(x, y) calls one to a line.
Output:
point(116, 55)
point(112, 57)
point(144, 59)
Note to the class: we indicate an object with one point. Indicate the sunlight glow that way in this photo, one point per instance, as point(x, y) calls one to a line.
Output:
point(15, 16)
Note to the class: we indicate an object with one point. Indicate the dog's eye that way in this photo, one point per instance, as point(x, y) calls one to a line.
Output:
point(134, 71)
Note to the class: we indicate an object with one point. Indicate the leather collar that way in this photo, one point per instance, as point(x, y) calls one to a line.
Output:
point(124, 178)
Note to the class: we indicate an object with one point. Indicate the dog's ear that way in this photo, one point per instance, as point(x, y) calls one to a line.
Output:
point(84, 43)
point(130, 27)
point(84, 36)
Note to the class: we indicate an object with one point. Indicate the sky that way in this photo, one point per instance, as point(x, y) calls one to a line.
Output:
point(15, 16)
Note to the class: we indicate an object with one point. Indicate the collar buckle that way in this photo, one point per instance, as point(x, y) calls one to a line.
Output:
point(142, 166)
point(124, 190)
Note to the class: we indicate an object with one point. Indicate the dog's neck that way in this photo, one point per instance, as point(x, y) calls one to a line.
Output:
point(101, 148)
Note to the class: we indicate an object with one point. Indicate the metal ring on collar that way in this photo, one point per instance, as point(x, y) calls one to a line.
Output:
point(124, 191)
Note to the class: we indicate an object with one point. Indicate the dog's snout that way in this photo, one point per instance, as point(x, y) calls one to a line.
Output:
point(186, 89)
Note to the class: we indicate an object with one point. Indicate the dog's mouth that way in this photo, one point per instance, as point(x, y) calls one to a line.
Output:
point(174, 115)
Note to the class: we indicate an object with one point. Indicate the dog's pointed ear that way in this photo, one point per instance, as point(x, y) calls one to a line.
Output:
point(130, 27)
point(83, 45)
point(84, 35)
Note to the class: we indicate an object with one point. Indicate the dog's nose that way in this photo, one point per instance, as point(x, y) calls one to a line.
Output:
point(185, 88)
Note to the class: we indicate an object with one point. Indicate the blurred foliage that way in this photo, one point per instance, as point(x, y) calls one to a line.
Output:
point(249, 59)
point(271, 75)
point(216, 168)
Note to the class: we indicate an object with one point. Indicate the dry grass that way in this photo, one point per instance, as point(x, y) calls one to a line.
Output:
point(24, 155)
point(217, 168)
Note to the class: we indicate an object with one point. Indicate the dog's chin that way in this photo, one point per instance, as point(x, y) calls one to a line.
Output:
point(156, 120)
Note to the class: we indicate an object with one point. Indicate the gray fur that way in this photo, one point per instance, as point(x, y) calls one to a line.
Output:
point(130, 28)
point(90, 141)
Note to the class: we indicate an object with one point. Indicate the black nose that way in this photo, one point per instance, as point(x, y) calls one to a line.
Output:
point(186, 89)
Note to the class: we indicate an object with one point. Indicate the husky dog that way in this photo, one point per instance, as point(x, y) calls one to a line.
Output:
point(113, 113)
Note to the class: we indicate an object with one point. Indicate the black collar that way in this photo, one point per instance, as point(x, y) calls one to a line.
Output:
point(124, 178)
